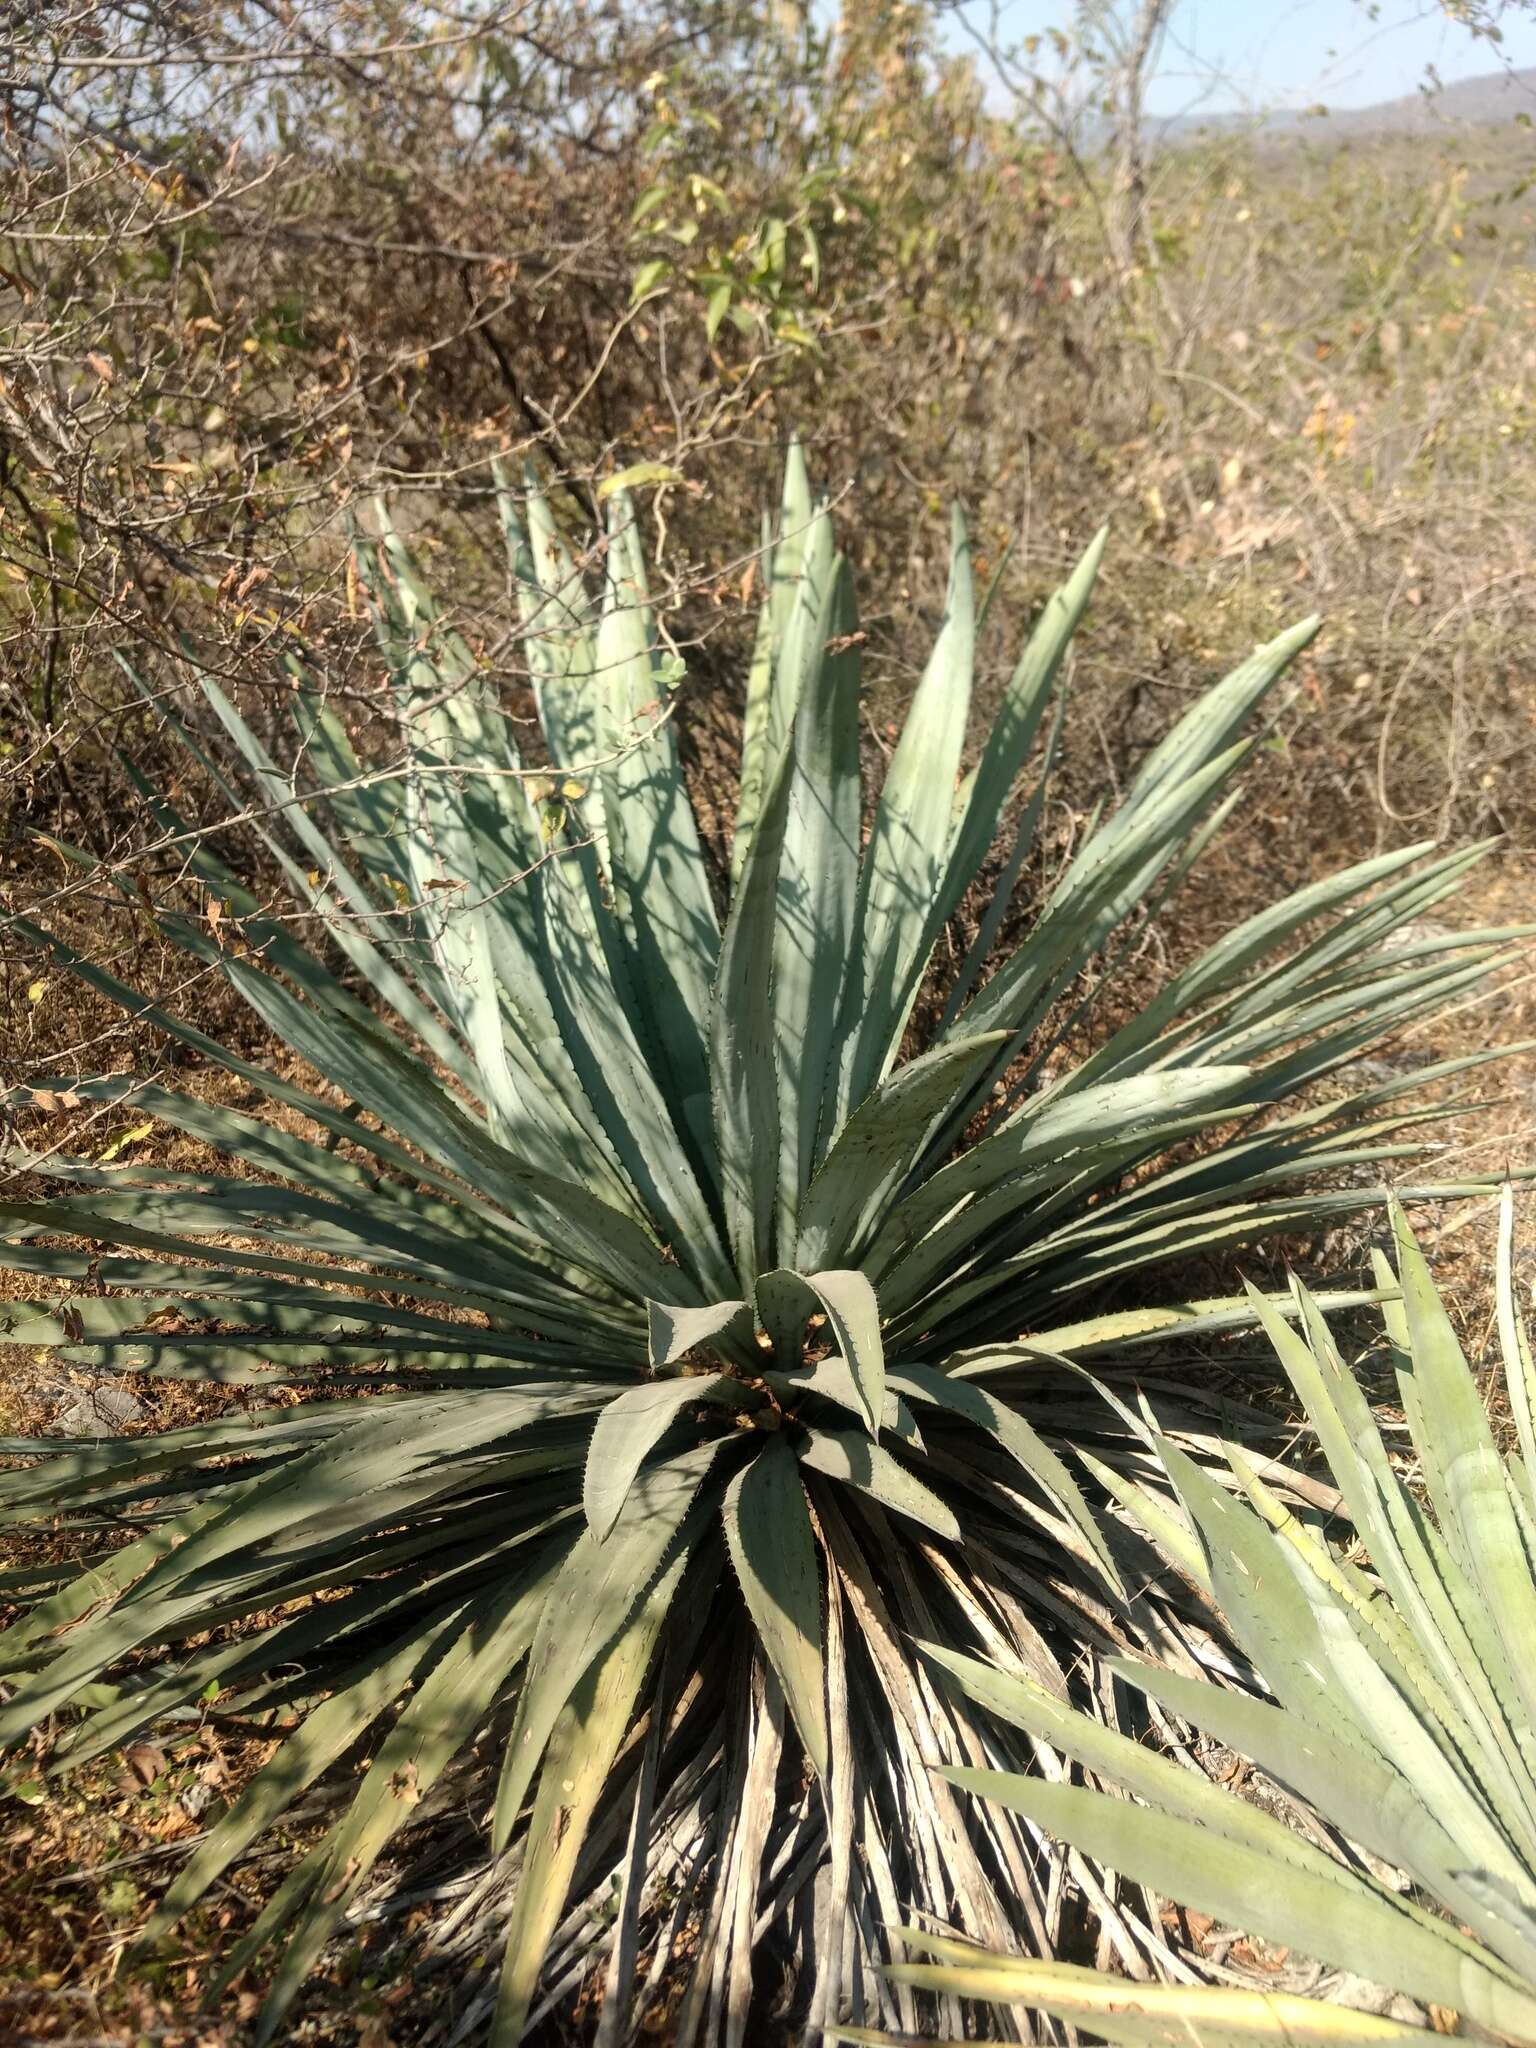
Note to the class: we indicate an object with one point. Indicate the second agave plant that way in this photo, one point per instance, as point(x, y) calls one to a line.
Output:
point(716, 1333)
point(1391, 1703)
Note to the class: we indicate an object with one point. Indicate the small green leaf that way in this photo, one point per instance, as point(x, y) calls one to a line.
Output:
point(719, 305)
point(647, 277)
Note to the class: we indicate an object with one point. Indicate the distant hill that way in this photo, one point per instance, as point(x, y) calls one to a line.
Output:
point(1494, 98)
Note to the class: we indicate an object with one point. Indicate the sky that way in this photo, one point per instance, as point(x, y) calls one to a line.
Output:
point(1222, 56)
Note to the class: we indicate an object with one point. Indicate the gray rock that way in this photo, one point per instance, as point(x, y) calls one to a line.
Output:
point(104, 1410)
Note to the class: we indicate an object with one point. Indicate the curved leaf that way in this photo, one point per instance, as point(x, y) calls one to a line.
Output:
point(628, 1429)
point(768, 1532)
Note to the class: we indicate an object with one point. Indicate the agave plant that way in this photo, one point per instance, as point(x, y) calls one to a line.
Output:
point(704, 1297)
point(1401, 1707)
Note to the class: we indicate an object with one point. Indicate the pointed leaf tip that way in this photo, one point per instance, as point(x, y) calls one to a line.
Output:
point(673, 1331)
point(848, 1300)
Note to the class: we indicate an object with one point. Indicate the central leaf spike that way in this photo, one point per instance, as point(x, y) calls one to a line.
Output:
point(786, 1302)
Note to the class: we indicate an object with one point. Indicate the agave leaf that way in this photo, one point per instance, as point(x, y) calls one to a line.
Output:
point(1229, 964)
point(585, 1741)
point(1511, 1916)
point(674, 1332)
point(1033, 1150)
point(1279, 1623)
point(598, 1587)
point(818, 882)
point(1127, 1328)
point(1012, 734)
point(262, 1665)
point(801, 583)
point(628, 1430)
point(274, 1916)
point(338, 1122)
point(559, 620)
point(263, 1145)
point(385, 1080)
point(272, 939)
point(1382, 1808)
point(368, 812)
point(1109, 875)
point(755, 716)
point(102, 1580)
point(1207, 728)
point(1392, 998)
point(771, 699)
point(849, 1455)
point(632, 1109)
point(1157, 2015)
point(1346, 1581)
point(410, 1444)
point(744, 1082)
point(1351, 1922)
point(1171, 1791)
point(909, 844)
point(437, 1720)
point(1519, 1371)
point(1464, 1680)
point(67, 1474)
point(1358, 1689)
point(1022, 1441)
point(1476, 1513)
point(881, 1143)
point(831, 1379)
point(1125, 921)
point(101, 1638)
point(354, 932)
point(1353, 938)
point(243, 1268)
point(393, 1234)
point(328, 1733)
point(1081, 1255)
point(519, 1270)
point(965, 1256)
point(1169, 1529)
point(449, 840)
point(1231, 961)
point(773, 1550)
point(658, 874)
point(1195, 1819)
point(990, 923)
point(1462, 1671)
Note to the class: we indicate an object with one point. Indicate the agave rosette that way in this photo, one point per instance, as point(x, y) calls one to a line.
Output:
point(1394, 1639)
point(700, 1324)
